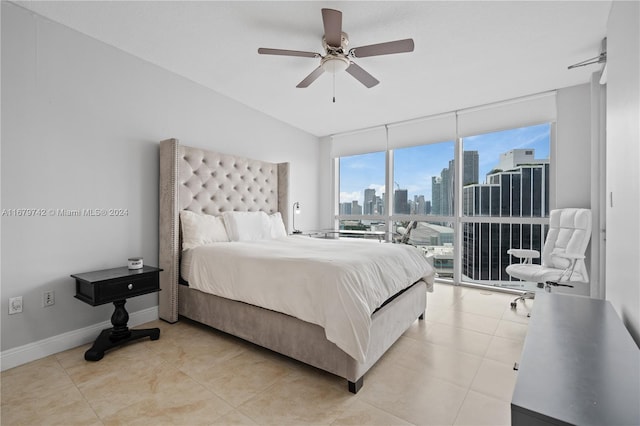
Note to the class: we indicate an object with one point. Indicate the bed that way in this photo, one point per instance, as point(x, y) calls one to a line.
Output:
point(215, 185)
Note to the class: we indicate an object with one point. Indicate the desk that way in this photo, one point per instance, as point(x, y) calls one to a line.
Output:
point(579, 366)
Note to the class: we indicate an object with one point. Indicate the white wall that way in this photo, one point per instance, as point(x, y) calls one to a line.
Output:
point(623, 163)
point(81, 122)
point(572, 155)
point(571, 168)
point(327, 207)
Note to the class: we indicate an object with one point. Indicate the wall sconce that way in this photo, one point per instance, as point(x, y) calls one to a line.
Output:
point(296, 210)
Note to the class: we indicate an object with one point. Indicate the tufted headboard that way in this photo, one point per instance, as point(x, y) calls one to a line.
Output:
point(209, 182)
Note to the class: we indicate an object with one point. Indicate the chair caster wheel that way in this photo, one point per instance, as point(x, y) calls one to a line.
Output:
point(514, 305)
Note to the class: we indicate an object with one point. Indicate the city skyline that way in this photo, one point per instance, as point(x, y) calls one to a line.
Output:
point(416, 166)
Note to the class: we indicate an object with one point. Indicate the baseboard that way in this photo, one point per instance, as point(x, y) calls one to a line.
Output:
point(52, 345)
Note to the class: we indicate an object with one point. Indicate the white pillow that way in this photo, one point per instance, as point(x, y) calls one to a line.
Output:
point(200, 229)
point(247, 226)
point(277, 226)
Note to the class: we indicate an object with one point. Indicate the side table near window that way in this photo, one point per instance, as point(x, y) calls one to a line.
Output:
point(116, 285)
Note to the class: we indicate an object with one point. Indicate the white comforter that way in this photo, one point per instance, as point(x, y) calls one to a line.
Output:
point(336, 284)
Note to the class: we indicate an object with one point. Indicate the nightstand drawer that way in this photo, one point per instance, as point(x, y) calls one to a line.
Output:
point(117, 284)
point(125, 288)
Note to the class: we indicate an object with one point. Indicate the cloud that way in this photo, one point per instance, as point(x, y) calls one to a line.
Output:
point(347, 197)
point(380, 189)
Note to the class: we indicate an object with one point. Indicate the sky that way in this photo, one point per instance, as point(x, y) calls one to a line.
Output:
point(415, 166)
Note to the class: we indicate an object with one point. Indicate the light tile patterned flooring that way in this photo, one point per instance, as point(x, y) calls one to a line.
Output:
point(456, 367)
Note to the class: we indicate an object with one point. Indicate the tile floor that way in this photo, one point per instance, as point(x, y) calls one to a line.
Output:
point(456, 367)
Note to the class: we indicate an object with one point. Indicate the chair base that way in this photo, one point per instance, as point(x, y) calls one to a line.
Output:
point(523, 296)
point(532, 295)
point(548, 285)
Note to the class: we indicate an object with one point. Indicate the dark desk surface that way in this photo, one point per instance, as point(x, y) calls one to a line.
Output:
point(579, 365)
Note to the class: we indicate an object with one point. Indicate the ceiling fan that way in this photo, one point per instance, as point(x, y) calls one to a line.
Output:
point(337, 58)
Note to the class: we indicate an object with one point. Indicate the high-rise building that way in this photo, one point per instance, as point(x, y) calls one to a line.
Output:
point(520, 191)
point(447, 189)
point(471, 162)
point(443, 186)
point(516, 157)
point(420, 204)
point(369, 201)
point(356, 209)
point(345, 208)
point(378, 205)
point(400, 201)
point(436, 195)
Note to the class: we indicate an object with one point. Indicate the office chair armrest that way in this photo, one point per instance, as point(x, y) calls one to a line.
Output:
point(570, 256)
point(524, 253)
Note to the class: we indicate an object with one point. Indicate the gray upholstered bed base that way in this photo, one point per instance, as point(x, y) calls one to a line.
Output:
point(185, 185)
point(301, 340)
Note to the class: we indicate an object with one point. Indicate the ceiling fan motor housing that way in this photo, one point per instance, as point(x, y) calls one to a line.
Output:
point(335, 63)
point(344, 42)
point(336, 59)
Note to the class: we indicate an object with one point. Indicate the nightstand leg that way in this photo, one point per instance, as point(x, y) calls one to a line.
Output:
point(119, 319)
point(118, 334)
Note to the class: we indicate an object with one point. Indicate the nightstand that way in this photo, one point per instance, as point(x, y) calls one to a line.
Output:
point(116, 285)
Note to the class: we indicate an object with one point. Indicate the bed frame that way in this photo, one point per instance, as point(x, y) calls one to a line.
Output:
point(207, 182)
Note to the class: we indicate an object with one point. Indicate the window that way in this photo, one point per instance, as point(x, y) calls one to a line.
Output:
point(468, 193)
point(424, 185)
point(362, 185)
point(434, 239)
point(423, 179)
point(506, 176)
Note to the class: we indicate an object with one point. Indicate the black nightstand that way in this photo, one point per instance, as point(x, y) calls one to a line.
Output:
point(116, 285)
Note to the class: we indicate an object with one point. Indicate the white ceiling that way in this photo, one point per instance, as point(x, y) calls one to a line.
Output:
point(466, 53)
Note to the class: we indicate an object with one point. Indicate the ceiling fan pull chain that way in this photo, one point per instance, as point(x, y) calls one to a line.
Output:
point(334, 88)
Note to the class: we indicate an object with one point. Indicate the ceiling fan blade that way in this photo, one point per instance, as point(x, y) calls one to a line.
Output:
point(332, 20)
point(388, 48)
point(282, 52)
point(362, 76)
point(311, 78)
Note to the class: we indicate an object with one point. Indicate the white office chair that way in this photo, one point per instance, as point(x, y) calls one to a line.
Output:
point(404, 234)
point(562, 254)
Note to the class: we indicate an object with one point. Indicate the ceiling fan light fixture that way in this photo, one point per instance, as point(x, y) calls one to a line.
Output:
point(334, 64)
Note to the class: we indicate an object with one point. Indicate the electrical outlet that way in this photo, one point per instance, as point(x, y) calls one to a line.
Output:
point(15, 305)
point(48, 298)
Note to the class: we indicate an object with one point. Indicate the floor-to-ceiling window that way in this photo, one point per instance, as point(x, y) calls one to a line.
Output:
point(362, 191)
point(505, 200)
point(455, 187)
point(423, 201)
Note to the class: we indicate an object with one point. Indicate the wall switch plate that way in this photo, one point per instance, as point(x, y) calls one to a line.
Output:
point(48, 298)
point(15, 305)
